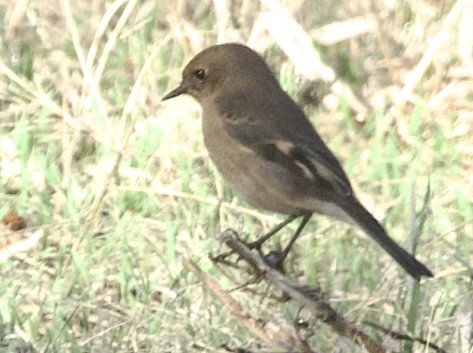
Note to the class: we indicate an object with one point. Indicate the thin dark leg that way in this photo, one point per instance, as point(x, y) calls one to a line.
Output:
point(257, 244)
point(277, 255)
point(298, 232)
point(276, 258)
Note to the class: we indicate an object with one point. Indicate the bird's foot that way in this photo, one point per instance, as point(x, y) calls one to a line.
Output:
point(274, 259)
point(223, 258)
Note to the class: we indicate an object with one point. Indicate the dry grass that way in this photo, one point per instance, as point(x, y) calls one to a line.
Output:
point(115, 188)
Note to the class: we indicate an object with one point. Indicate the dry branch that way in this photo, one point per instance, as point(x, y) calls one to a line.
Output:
point(256, 327)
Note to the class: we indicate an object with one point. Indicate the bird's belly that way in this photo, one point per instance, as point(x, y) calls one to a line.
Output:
point(261, 183)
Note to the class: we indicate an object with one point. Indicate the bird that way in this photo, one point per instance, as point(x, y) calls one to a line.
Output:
point(267, 150)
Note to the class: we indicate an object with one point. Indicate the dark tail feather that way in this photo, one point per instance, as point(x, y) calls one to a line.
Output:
point(371, 226)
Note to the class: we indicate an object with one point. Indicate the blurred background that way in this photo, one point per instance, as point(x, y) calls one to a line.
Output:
point(104, 189)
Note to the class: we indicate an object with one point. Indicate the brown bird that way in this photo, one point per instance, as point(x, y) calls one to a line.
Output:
point(265, 147)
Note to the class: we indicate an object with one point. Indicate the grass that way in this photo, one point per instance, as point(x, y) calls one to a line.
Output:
point(122, 189)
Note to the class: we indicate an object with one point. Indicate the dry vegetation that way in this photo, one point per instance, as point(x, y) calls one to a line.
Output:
point(106, 193)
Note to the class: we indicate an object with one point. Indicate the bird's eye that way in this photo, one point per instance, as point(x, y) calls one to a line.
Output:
point(200, 74)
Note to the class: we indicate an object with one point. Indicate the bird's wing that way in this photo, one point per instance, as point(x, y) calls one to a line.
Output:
point(278, 130)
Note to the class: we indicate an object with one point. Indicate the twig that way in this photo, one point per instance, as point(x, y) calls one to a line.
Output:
point(308, 297)
point(403, 337)
point(233, 306)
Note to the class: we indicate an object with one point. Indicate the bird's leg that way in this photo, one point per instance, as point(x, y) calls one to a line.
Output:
point(298, 232)
point(257, 244)
point(276, 258)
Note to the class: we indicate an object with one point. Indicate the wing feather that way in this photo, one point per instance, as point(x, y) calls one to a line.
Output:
point(279, 131)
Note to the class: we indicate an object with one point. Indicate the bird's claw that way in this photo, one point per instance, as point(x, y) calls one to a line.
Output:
point(274, 259)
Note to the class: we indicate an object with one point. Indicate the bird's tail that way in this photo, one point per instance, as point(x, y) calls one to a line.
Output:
point(372, 227)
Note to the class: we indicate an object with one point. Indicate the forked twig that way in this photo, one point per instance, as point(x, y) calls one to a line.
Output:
point(233, 306)
point(308, 297)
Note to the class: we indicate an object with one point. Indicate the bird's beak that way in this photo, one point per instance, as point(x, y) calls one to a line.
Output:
point(175, 92)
